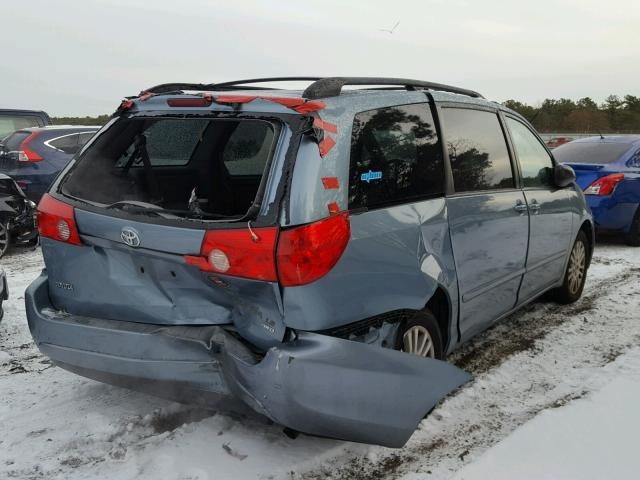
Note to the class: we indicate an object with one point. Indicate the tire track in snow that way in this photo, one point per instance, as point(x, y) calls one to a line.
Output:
point(541, 357)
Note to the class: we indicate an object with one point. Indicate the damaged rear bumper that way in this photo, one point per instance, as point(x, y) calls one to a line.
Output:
point(315, 384)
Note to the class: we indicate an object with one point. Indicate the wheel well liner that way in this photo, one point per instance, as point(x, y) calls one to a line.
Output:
point(587, 228)
point(439, 305)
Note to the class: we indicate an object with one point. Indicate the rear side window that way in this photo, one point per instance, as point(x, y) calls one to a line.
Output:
point(395, 157)
point(634, 161)
point(477, 150)
point(11, 123)
point(535, 162)
point(85, 137)
point(67, 143)
point(590, 152)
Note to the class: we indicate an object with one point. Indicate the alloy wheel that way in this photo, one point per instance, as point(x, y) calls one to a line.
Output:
point(418, 341)
point(4, 239)
point(577, 264)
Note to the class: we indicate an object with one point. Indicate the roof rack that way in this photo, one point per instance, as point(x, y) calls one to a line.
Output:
point(332, 86)
point(234, 85)
point(320, 88)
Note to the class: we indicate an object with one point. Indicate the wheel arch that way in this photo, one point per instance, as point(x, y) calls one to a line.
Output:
point(589, 231)
point(440, 305)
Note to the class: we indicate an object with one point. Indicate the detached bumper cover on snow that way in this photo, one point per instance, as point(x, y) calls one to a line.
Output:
point(316, 384)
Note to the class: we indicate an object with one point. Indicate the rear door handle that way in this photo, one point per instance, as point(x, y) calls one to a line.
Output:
point(534, 206)
point(520, 207)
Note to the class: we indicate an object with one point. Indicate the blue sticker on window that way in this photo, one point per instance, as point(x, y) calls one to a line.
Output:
point(368, 176)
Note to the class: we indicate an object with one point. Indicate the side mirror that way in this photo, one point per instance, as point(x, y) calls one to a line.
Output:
point(563, 175)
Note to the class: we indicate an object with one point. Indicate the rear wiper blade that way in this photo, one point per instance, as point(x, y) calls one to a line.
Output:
point(123, 204)
point(134, 206)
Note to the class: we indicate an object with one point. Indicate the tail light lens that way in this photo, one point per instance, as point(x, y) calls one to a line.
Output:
point(56, 220)
point(604, 185)
point(309, 252)
point(239, 253)
point(25, 154)
point(303, 254)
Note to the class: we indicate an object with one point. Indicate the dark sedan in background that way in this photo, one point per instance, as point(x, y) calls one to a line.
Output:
point(34, 156)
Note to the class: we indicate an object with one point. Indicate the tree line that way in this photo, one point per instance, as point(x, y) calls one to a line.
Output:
point(615, 114)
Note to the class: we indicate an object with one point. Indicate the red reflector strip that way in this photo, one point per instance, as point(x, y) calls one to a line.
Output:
point(326, 145)
point(334, 208)
point(327, 126)
point(330, 182)
point(300, 105)
point(235, 98)
point(311, 106)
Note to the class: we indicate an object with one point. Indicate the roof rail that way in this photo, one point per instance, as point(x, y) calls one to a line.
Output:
point(332, 86)
point(320, 88)
point(236, 84)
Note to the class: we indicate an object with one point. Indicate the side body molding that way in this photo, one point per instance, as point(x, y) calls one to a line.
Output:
point(342, 389)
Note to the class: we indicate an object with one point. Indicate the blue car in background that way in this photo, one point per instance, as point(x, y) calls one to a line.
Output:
point(33, 157)
point(608, 171)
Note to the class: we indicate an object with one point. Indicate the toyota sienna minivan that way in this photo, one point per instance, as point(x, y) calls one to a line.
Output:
point(313, 255)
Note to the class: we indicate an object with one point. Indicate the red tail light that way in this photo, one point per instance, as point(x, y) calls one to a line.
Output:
point(56, 220)
point(240, 253)
point(307, 253)
point(604, 185)
point(26, 154)
point(304, 254)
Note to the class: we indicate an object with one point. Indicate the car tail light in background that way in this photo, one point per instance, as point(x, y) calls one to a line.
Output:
point(25, 154)
point(295, 256)
point(604, 185)
point(240, 253)
point(308, 252)
point(56, 220)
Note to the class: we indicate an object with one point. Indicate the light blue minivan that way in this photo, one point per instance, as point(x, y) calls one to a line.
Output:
point(314, 255)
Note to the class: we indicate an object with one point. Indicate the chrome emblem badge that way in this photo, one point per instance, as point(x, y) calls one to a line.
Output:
point(130, 237)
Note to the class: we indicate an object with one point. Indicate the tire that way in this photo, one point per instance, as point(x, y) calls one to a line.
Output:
point(33, 243)
point(633, 237)
point(420, 335)
point(576, 272)
point(5, 239)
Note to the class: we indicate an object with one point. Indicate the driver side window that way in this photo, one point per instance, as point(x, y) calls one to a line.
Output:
point(535, 161)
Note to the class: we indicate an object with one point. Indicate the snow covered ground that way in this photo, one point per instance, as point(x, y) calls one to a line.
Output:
point(548, 379)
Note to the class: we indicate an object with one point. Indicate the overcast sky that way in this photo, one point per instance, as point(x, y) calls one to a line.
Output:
point(73, 57)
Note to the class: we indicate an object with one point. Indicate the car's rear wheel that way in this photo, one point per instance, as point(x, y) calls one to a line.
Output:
point(4, 239)
point(420, 335)
point(633, 237)
point(576, 272)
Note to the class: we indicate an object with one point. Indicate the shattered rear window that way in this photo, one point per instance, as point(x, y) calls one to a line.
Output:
point(170, 142)
point(189, 166)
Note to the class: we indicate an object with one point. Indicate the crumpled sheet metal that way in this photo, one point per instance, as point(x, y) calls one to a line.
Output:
point(337, 388)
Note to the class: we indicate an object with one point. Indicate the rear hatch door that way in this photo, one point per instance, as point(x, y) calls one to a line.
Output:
point(141, 212)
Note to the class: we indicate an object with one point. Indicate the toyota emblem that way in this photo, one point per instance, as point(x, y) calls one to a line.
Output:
point(130, 237)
